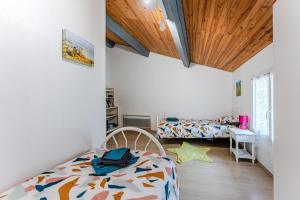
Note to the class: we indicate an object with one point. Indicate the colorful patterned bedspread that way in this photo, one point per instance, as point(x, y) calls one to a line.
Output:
point(192, 129)
point(152, 178)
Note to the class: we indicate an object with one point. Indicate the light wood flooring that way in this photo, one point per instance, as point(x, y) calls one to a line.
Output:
point(222, 179)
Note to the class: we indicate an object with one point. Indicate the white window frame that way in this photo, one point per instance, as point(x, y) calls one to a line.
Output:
point(270, 113)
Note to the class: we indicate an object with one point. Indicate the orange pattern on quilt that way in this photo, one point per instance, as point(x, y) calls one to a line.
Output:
point(156, 174)
point(92, 185)
point(76, 170)
point(141, 163)
point(103, 183)
point(65, 189)
point(118, 196)
point(83, 163)
point(40, 179)
point(147, 185)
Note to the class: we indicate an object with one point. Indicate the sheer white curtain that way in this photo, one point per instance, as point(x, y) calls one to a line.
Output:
point(262, 105)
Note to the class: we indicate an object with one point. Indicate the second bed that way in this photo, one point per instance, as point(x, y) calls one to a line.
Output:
point(192, 128)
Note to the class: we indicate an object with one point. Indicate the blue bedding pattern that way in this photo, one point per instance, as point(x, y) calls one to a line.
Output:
point(191, 128)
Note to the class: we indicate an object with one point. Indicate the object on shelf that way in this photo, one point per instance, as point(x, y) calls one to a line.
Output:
point(112, 113)
point(110, 103)
point(111, 125)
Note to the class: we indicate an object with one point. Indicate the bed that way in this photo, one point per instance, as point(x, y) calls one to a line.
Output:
point(152, 177)
point(192, 128)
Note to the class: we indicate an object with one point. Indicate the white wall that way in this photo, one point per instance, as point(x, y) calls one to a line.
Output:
point(261, 63)
point(107, 66)
point(287, 98)
point(50, 110)
point(159, 84)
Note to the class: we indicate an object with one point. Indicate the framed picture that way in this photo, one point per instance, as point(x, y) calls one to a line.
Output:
point(238, 88)
point(77, 49)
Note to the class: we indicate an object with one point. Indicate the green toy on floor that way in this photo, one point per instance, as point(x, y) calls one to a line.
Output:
point(188, 152)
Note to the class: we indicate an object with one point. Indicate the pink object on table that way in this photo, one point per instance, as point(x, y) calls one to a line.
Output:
point(244, 120)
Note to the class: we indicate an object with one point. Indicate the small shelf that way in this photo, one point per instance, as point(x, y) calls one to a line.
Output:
point(111, 116)
point(114, 107)
point(112, 111)
point(242, 153)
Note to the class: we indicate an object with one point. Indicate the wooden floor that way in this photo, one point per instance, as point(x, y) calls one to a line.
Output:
point(222, 179)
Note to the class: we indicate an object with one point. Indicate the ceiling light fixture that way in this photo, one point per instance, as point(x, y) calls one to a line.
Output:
point(162, 26)
point(151, 4)
point(147, 1)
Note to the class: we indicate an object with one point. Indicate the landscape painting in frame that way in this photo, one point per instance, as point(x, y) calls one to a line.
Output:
point(77, 49)
point(238, 86)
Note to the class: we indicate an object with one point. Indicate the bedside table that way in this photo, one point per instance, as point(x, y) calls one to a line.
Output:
point(242, 136)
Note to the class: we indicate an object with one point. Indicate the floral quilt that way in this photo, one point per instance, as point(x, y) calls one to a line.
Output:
point(191, 128)
point(152, 178)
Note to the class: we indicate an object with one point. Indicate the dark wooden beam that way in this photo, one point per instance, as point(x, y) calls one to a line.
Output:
point(121, 33)
point(173, 12)
point(110, 43)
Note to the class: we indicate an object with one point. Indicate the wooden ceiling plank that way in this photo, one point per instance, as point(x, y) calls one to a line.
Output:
point(202, 43)
point(220, 15)
point(188, 18)
point(210, 60)
point(250, 50)
point(209, 24)
point(120, 32)
point(137, 27)
point(246, 40)
point(205, 28)
point(252, 13)
point(243, 11)
point(199, 23)
point(163, 37)
point(143, 20)
point(121, 13)
point(211, 38)
point(141, 25)
point(248, 56)
point(233, 15)
point(115, 38)
point(232, 50)
point(220, 49)
point(164, 42)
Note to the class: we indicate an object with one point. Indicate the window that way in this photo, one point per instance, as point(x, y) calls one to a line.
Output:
point(262, 105)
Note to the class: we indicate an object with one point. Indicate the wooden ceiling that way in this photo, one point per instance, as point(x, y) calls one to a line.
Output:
point(222, 34)
point(115, 38)
point(142, 24)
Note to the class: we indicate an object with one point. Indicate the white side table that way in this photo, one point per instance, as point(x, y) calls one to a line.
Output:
point(242, 136)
